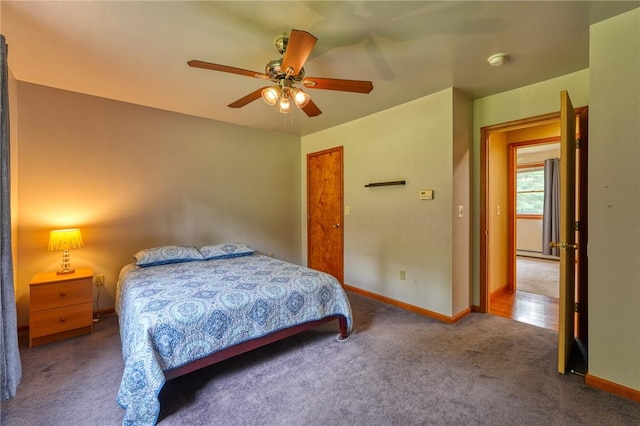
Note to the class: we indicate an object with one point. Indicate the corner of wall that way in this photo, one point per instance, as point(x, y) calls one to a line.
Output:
point(461, 208)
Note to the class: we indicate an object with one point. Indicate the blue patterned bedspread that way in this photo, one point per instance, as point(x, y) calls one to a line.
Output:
point(172, 314)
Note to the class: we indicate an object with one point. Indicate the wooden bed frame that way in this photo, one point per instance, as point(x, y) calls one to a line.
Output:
point(249, 345)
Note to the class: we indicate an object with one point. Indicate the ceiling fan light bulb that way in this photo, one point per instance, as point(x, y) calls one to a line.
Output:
point(300, 98)
point(271, 94)
point(284, 105)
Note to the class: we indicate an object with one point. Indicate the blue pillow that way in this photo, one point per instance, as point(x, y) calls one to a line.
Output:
point(167, 254)
point(225, 251)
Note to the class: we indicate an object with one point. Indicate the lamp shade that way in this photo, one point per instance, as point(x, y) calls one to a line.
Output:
point(300, 98)
point(65, 239)
point(271, 94)
point(284, 105)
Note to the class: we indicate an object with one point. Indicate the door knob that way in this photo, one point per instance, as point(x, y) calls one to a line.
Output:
point(336, 225)
point(563, 246)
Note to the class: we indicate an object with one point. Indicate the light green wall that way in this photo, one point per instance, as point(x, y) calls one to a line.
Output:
point(614, 200)
point(132, 177)
point(389, 228)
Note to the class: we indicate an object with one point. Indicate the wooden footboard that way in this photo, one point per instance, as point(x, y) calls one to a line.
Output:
point(254, 344)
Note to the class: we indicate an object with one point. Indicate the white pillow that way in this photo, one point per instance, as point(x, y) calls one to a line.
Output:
point(225, 251)
point(167, 254)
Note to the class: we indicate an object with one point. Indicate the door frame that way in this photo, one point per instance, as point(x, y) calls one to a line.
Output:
point(582, 194)
point(582, 154)
point(485, 132)
point(512, 221)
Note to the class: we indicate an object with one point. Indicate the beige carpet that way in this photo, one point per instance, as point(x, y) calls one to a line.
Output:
point(539, 276)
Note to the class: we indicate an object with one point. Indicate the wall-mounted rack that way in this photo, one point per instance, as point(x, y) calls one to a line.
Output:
point(397, 182)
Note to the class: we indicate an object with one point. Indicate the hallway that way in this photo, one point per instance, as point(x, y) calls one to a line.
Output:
point(533, 301)
point(529, 308)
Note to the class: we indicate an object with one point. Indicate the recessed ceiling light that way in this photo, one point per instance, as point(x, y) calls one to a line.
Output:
point(497, 59)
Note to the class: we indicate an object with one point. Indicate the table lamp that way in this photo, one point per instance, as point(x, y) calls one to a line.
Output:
point(65, 240)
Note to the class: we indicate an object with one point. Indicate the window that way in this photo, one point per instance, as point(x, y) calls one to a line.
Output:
point(530, 190)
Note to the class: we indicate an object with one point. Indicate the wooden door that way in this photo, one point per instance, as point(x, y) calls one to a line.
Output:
point(567, 242)
point(325, 244)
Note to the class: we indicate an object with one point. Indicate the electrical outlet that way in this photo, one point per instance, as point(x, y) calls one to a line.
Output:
point(403, 275)
point(98, 280)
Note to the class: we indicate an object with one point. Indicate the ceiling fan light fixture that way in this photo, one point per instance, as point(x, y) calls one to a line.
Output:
point(300, 97)
point(271, 94)
point(286, 71)
point(284, 105)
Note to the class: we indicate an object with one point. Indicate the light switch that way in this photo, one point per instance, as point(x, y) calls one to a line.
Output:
point(426, 194)
point(460, 211)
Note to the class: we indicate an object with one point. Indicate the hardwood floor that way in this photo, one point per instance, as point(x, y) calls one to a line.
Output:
point(536, 309)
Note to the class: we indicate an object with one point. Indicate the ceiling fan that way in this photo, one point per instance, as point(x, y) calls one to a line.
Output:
point(286, 72)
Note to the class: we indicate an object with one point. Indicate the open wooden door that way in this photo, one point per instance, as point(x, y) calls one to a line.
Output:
point(325, 244)
point(567, 244)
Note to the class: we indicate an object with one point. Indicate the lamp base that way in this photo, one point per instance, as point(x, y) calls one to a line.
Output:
point(65, 272)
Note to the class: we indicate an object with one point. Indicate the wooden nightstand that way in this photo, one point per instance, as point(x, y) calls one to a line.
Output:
point(61, 306)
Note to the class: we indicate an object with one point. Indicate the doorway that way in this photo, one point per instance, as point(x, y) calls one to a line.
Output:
point(533, 204)
point(515, 177)
point(498, 249)
point(533, 223)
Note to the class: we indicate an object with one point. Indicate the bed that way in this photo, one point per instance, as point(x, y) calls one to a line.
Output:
point(182, 308)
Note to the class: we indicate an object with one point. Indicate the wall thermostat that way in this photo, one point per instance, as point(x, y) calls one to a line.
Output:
point(426, 194)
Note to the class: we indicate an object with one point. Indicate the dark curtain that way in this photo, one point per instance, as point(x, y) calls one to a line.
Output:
point(551, 215)
point(10, 367)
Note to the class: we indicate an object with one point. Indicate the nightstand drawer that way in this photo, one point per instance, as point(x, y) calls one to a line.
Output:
point(61, 306)
point(60, 294)
point(56, 320)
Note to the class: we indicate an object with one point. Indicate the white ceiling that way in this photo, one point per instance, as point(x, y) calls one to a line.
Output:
point(137, 51)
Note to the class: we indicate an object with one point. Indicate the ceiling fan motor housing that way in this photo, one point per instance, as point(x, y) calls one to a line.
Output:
point(274, 70)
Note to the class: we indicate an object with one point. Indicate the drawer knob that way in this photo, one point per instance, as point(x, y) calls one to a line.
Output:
point(63, 294)
point(63, 319)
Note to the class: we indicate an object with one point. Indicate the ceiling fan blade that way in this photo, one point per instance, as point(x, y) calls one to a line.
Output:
point(224, 68)
point(298, 50)
point(247, 99)
point(311, 109)
point(357, 86)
